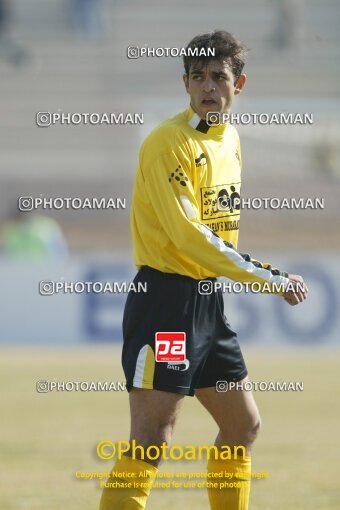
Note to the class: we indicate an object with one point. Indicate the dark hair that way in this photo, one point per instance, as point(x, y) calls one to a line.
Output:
point(227, 49)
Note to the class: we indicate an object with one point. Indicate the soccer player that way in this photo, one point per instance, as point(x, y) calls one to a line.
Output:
point(185, 221)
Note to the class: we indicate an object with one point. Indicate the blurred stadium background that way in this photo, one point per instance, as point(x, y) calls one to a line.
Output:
point(71, 56)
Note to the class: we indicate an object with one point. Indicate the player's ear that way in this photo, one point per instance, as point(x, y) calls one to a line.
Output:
point(240, 83)
point(186, 82)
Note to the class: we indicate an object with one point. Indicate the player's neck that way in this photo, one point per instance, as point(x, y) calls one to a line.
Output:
point(211, 129)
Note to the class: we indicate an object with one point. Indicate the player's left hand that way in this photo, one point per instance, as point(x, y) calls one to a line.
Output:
point(299, 294)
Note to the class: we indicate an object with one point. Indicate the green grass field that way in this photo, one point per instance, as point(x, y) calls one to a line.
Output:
point(46, 438)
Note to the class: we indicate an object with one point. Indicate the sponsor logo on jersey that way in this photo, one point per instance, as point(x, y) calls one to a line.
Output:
point(221, 200)
point(224, 226)
point(201, 160)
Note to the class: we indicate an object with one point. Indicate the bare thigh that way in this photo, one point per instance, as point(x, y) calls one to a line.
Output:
point(153, 416)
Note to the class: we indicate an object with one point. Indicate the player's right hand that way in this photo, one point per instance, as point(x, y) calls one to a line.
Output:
point(298, 294)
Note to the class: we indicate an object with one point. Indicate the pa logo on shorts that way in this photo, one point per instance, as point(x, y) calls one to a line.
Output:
point(170, 346)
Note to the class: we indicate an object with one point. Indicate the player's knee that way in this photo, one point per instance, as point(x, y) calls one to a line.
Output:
point(149, 445)
point(243, 433)
point(254, 428)
point(162, 434)
point(251, 429)
point(154, 435)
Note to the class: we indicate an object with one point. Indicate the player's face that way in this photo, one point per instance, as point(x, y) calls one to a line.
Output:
point(212, 87)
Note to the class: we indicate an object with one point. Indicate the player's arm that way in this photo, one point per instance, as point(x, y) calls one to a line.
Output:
point(298, 289)
point(176, 208)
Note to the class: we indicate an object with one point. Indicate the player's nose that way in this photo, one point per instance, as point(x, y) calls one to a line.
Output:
point(208, 85)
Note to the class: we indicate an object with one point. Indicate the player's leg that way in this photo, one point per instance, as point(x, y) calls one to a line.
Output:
point(172, 304)
point(153, 416)
point(235, 412)
point(238, 420)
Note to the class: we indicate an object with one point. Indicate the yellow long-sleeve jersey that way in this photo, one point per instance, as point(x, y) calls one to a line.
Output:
point(186, 203)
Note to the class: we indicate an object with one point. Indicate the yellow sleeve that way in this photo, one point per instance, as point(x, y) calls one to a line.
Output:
point(172, 196)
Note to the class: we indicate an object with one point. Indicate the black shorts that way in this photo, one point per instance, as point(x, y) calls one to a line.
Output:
point(172, 303)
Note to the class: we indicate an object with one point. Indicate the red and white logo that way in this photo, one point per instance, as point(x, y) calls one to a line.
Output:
point(170, 346)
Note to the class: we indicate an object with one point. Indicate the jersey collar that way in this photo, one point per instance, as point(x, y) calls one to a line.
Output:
point(202, 126)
